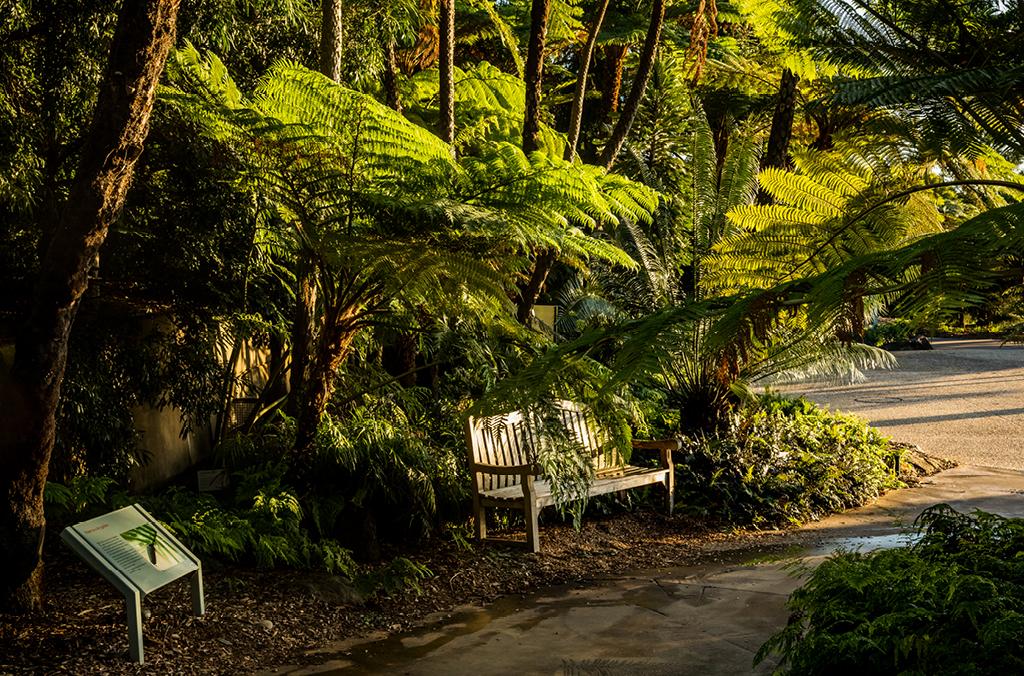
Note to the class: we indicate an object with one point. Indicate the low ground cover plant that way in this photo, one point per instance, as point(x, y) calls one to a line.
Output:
point(951, 603)
point(785, 461)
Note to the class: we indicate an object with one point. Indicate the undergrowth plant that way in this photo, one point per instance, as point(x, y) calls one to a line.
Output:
point(951, 603)
point(785, 461)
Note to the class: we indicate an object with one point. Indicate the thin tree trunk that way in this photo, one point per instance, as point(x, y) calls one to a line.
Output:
point(275, 389)
point(636, 91)
point(330, 39)
point(30, 394)
point(304, 319)
point(390, 83)
point(586, 55)
point(531, 132)
point(777, 152)
point(534, 74)
point(446, 68)
point(528, 295)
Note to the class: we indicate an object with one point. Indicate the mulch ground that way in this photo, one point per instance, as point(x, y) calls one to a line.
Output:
point(257, 620)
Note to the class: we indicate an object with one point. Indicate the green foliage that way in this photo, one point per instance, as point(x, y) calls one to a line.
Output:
point(950, 603)
point(82, 497)
point(267, 529)
point(808, 228)
point(785, 461)
point(954, 70)
point(398, 575)
point(379, 459)
point(892, 331)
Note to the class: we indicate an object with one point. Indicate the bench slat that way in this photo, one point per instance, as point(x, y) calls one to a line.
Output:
point(632, 477)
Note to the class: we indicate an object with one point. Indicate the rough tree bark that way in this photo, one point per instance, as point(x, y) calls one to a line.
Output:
point(304, 332)
point(30, 393)
point(534, 74)
point(610, 76)
point(446, 68)
point(332, 348)
point(639, 86)
point(330, 39)
point(586, 55)
point(777, 152)
point(390, 83)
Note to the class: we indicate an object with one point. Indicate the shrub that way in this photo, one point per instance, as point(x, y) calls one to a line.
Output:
point(785, 461)
point(82, 497)
point(268, 531)
point(952, 603)
point(892, 331)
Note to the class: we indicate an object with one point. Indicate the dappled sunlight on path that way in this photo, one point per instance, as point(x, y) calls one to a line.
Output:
point(963, 401)
point(704, 620)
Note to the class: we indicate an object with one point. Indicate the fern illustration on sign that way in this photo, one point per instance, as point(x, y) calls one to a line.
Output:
point(157, 551)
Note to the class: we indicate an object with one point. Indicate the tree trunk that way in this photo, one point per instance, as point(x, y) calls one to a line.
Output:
point(534, 74)
point(777, 153)
point(304, 319)
point(613, 64)
point(330, 39)
point(529, 293)
point(390, 83)
point(303, 334)
point(29, 395)
point(636, 91)
point(586, 55)
point(446, 68)
point(333, 347)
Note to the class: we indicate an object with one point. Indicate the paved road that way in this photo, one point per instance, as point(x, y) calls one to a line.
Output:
point(963, 401)
point(700, 621)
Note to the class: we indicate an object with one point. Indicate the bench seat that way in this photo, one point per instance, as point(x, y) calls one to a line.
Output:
point(630, 477)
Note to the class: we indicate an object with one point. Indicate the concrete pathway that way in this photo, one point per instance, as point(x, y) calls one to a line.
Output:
point(705, 621)
point(963, 401)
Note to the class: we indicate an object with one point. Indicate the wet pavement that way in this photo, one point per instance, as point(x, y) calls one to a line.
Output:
point(705, 620)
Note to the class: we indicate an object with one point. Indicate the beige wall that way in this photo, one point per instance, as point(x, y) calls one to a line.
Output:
point(168, 452)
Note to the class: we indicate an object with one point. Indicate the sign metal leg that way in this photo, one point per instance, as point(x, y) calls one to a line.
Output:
point(198, 601)
point(133, 604)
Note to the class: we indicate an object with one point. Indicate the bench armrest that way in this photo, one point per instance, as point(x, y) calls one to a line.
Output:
point(664, 448)
point(513, 470)
point(659, 444)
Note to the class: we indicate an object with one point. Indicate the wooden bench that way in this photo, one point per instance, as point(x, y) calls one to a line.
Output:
point(502, 462)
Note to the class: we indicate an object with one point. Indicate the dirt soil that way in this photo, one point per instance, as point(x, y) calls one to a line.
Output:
point(257, 620)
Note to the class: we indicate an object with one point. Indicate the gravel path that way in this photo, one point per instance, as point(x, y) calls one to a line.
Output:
point(963, 401)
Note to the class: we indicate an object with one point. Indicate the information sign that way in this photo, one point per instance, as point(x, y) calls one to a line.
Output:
point(136, 554)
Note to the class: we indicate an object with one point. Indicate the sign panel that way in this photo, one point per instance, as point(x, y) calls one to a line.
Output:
point(136, 554)
point(138, 547)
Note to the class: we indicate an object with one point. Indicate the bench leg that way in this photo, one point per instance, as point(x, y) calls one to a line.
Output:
point(531, 512)
point(670, 481)
point(479, 518)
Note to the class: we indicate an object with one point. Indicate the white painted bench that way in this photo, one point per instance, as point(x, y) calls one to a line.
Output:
point(502, 462)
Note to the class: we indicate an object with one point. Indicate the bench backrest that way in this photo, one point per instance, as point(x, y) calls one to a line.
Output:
point(510, 439)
